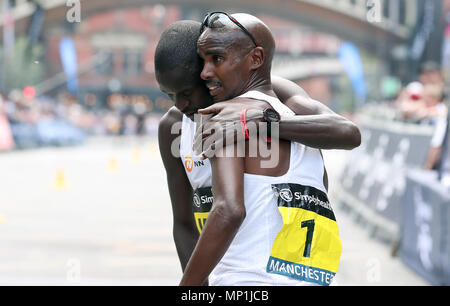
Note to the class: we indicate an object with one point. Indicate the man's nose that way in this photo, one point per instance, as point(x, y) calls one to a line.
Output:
point(207, 72)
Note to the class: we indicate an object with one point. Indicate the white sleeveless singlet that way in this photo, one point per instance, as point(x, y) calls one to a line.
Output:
point(198, 171)
point(278, 242)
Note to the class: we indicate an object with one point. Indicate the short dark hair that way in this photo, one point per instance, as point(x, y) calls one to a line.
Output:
point(177, 48)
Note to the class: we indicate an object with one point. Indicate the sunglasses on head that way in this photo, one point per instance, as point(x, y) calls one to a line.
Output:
point(210, 17)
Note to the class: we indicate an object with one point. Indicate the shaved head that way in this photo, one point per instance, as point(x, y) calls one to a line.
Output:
point(260, 32)
point(237, 51)
point(234, 36)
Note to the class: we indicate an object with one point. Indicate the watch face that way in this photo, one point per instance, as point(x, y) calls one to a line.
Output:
point(271, 115)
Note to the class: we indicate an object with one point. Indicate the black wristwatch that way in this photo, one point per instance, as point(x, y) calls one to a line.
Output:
point(270, 115)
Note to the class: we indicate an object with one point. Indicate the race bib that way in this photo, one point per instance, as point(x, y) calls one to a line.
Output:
point(201, 205)
point(308, 246)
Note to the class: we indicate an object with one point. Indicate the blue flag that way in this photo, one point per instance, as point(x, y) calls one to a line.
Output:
point(349, 55)
point(68, 57)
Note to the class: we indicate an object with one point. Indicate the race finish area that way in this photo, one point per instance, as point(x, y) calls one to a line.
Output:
point(99, 214)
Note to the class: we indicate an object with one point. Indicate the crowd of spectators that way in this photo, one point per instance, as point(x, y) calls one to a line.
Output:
point(63, 121)
point(423, 102)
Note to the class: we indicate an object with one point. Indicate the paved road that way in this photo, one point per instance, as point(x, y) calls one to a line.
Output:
point(100, 214)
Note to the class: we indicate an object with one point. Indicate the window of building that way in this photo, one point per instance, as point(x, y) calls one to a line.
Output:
point(132, 62)
point(105, 63)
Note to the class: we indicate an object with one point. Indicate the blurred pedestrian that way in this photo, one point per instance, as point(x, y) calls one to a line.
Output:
point(410, 102)
point(435, 114)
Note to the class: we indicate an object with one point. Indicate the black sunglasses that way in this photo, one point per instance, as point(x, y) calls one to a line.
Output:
point(206, 23)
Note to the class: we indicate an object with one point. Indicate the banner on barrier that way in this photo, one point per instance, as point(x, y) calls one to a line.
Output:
point(376, 174)
point(425, 228)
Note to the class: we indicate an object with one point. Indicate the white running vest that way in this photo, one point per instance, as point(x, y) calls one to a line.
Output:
point(198, 171)
point(246, 262)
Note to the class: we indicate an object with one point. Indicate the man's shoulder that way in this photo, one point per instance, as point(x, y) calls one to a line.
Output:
point(167, 133)
point(172, 116)
point(169, 126)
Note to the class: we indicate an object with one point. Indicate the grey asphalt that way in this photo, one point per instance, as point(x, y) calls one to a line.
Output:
point(99, 214)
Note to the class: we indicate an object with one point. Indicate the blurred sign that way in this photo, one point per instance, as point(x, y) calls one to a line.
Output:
point(425, 240)
point(6, 138)
point(351, 60)
point(375, 175)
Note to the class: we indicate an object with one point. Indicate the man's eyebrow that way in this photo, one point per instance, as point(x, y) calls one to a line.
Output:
point(215, 51)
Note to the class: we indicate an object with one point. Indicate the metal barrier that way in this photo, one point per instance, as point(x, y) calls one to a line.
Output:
point(373, 182)
point(45, 133)
point(425, 228)
point(384, 185)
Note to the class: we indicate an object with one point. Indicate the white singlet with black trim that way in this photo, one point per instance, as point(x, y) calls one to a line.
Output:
point(198, 171)
point(255, 256)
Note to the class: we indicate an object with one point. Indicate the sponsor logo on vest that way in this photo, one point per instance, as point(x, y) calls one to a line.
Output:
point(189, 163)
point(286, 194)
point(202, 199)
point(207, 199)
point(298, 271)
point(306, 197)
point(196, 200)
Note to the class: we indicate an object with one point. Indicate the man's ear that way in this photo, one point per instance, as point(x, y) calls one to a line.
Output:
point(257, 58)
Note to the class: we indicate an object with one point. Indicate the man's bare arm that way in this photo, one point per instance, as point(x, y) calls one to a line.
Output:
point(184, 230)
point(224, 220)
point(314, 125)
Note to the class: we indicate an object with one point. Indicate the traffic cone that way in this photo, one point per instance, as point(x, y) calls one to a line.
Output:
point(60, 180)
point(112, 164)
point(136, 155)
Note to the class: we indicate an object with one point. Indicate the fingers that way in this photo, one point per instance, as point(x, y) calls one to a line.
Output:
point(208, 110)
point(223, 139)
point(213, 109)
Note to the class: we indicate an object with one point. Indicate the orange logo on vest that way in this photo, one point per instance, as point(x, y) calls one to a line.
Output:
point(188, 163)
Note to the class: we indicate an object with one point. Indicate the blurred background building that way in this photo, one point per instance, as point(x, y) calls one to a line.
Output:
point(71, 70)
point(105, 49)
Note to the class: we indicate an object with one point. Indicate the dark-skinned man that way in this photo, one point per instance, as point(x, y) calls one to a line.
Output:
point(177, 71)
